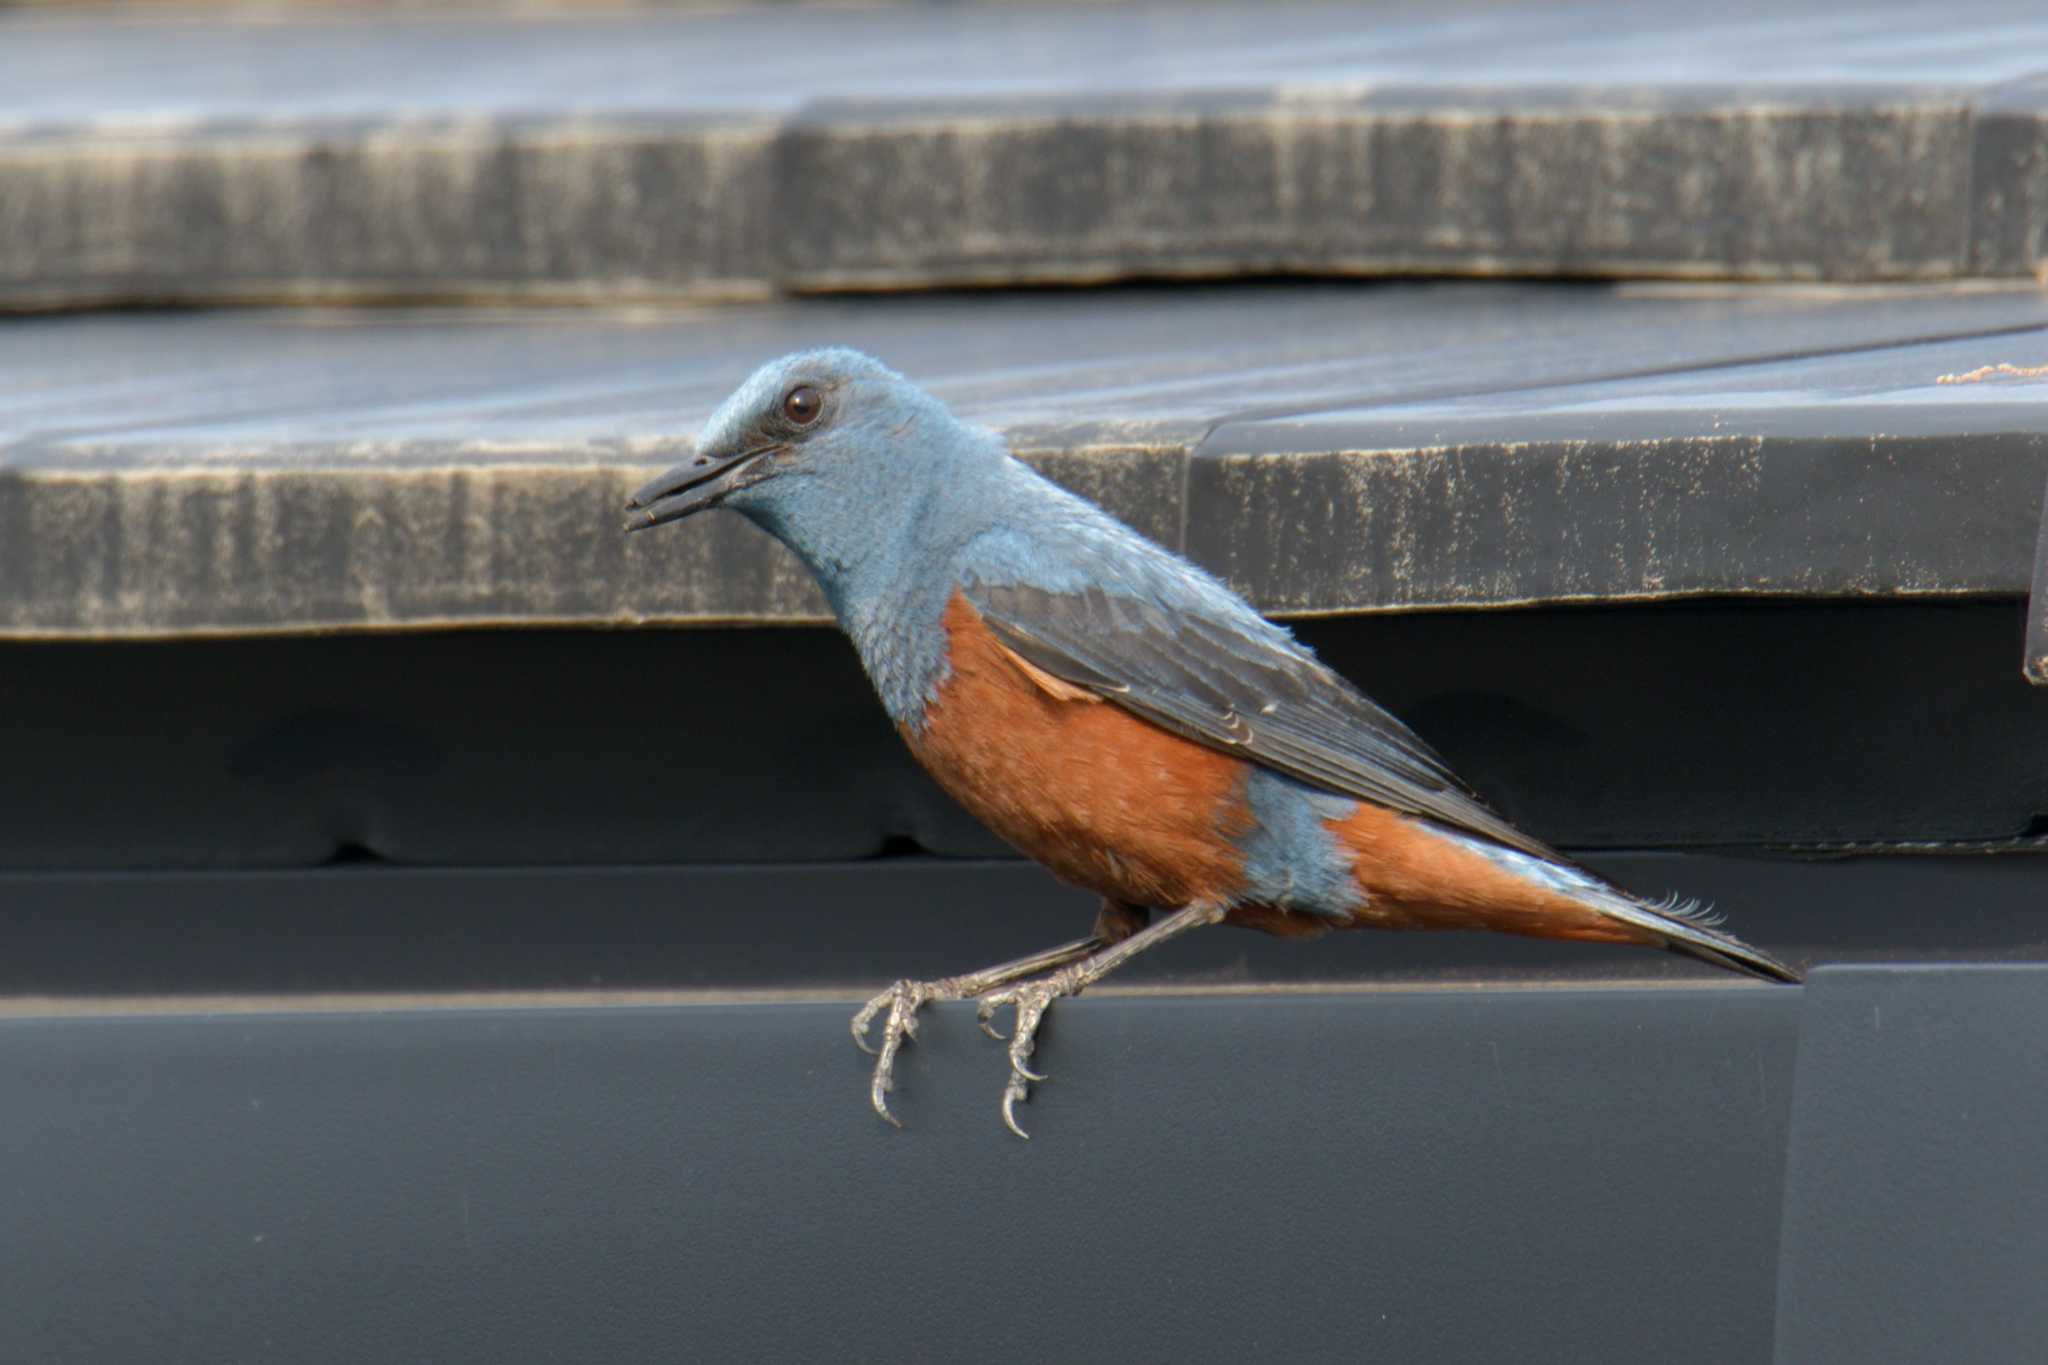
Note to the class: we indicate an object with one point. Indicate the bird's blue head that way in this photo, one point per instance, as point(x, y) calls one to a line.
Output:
point(830, 451)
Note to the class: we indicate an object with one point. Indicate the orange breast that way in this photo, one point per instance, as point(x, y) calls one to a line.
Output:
point(1104, 799)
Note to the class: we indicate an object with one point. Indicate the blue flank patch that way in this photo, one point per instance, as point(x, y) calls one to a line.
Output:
point(1290, 859)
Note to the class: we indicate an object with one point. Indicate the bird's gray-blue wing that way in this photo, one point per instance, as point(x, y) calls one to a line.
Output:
point(1245, 691)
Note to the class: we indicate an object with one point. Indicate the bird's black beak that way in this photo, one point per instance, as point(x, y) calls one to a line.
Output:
point(704, 480)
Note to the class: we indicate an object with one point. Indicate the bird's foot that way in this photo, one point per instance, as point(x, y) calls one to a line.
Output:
point(1030, 999)
point(902, 1000)
point(1040, 979)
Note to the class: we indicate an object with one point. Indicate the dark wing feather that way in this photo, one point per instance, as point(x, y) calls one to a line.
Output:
point(1243, 693)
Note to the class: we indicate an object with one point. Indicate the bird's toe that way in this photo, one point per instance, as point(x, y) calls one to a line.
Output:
point(1030, 1000)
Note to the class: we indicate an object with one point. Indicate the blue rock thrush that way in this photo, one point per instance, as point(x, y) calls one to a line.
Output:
point(1113, 711)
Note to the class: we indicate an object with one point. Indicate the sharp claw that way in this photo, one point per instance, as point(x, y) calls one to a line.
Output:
point(1021, 1044)
point(861, 1023)
point(885, 1074)
point(903, 1000)
point(1029, 1001)
point(882, 1107)
point(1010, 1098)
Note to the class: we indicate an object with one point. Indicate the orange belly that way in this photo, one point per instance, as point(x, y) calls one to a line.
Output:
point(1102, 798)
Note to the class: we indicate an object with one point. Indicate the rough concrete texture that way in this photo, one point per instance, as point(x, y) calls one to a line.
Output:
point(397, 210)
point(177, 551)
point(1330, 449)
point(1404, 182)
point(2010, 183)
point(714, 155)
point(1492, 524)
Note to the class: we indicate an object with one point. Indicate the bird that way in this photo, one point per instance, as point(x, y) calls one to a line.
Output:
point(1114, 711)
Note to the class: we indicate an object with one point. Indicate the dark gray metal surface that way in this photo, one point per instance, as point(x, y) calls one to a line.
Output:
point(1677, 725)
point(1916, 1214)
point(1415, 446)
point(1569, 1175)
point(851, 928)
point(717, 154)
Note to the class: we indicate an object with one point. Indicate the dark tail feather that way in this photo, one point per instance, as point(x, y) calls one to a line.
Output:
point(1681, 926)
point(1687, 928)
point(1724, 950)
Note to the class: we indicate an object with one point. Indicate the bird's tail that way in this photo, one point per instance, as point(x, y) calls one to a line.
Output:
point(1685, 927)
point(1680, 926)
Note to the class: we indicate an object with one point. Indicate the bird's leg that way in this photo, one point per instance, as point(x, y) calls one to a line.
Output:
point(1118, 920)
point(1031, 999)
point(904, 999)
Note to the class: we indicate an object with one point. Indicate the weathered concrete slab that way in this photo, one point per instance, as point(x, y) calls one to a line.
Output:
point(717, 155)
point(1892, 483)
point(1716, 184)
point(417, 210)
point(2009, 212)
point(1330, 448)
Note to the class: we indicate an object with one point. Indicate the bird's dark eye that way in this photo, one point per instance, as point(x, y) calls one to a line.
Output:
point(802, 405)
